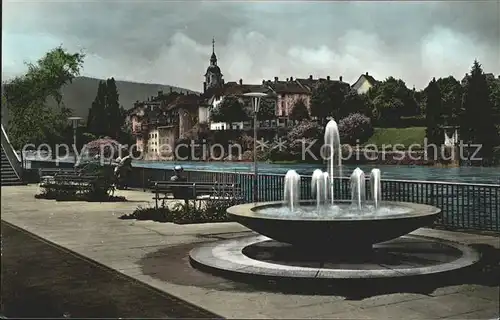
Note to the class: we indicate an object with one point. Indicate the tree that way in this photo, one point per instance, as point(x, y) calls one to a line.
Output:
point(355, 103)
point(451, 99)
point(106, 116)
point(392, 100)
point(229, 110)
point(32, 116)
point(433, 113)
point(96, 120)
point(477, 120)
point(327, 99)
point(267, 109)
point(114, 112)
point(495, 103)
point(299, 111)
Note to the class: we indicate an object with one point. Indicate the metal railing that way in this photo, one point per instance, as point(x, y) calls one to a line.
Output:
point(13, 158)
point(463, 205)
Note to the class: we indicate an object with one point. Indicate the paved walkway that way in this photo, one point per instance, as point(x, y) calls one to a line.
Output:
point(156, 254)
point(56, 283)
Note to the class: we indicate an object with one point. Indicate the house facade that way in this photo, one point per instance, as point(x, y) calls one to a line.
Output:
point(288, 93)
point(161, 120)
point(364, 83)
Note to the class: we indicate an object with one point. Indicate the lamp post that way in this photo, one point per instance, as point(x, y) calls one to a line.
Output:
point(74, 121)
point(256, 97)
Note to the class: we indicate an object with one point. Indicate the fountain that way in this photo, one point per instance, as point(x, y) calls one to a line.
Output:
point(292, 180)
point(375, 187)
point(337, 231)
point(334, 156)
point(358, 197)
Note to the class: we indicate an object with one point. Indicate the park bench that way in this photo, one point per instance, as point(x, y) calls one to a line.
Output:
point(70, 183)
point(49, 173)
point(183, 190)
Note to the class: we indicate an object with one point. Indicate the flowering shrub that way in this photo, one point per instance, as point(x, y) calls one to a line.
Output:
point(305, 134)
point(109, 147)
point(355, 127)
point(306, 129)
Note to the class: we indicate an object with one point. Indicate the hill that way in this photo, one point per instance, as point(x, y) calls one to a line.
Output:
point(79, 95)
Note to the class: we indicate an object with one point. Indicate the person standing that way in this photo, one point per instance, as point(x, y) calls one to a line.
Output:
point(123, 170)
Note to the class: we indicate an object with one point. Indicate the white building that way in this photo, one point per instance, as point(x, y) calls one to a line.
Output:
point(364, 83)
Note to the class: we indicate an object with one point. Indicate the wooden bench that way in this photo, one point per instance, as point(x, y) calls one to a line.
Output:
point(193, 190)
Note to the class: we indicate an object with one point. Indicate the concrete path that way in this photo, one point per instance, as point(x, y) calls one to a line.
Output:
point(156, 254)
point(56, 282)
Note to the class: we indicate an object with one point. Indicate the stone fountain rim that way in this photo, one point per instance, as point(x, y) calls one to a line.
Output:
point(248, 210)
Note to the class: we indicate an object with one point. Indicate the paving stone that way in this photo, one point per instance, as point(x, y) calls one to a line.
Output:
point(486, 314)
point(95, 230)
point(387, 299)
point(488, 293)
point(449, 305)
point(311, 311)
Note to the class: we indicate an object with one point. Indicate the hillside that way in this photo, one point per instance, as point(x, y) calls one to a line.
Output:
point(80, 94)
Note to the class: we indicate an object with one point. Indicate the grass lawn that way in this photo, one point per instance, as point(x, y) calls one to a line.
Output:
point(405, 136)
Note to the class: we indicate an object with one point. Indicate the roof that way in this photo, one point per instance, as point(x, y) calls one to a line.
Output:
point(309, 83)
point(287, 87)
point(213, 69)
point(371, 80)
point(234, 88)
point(190, 100)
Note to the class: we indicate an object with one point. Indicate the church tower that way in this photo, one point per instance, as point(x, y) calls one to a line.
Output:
point(213, 76)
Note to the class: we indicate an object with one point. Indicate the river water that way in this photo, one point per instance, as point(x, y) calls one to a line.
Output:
point(488, 175)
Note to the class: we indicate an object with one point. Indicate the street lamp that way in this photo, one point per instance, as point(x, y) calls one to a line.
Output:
point(74, 121)
point(256, 97)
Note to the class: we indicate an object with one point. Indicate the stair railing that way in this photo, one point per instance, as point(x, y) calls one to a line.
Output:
point(13, 158)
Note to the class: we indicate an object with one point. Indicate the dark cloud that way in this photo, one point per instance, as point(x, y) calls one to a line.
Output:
point(170, 42)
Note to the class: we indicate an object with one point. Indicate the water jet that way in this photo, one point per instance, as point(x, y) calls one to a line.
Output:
point(360, 237)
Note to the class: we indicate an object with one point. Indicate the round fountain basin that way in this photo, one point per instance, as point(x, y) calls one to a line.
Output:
point(343, 230)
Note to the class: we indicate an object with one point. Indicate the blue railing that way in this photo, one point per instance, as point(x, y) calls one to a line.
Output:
point(463, 205)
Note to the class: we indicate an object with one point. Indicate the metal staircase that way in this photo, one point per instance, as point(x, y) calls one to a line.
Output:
point(11, 165)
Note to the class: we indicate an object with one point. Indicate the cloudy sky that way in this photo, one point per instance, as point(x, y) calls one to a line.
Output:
point(169, 42)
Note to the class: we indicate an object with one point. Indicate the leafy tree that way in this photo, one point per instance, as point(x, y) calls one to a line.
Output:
point(327, 99)
point(495, 103)
point(451, 98)
point(477, 121)
point(392, 100)
point(356, 103)
point(433, 113)
point(229, 110)
point(419, 97)
point(267, 109)
point(32, 116)
point(299, 111)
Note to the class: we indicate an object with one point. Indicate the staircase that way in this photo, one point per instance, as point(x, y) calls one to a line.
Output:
point(9, 175)
point(11, 165)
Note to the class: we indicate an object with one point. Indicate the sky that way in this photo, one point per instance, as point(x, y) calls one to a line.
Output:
point(170, 42)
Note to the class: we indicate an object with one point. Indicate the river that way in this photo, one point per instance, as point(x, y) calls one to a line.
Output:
point(488, 175)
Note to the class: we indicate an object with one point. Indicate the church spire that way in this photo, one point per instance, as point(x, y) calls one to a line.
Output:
point(213, 76)
point(213, 58)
